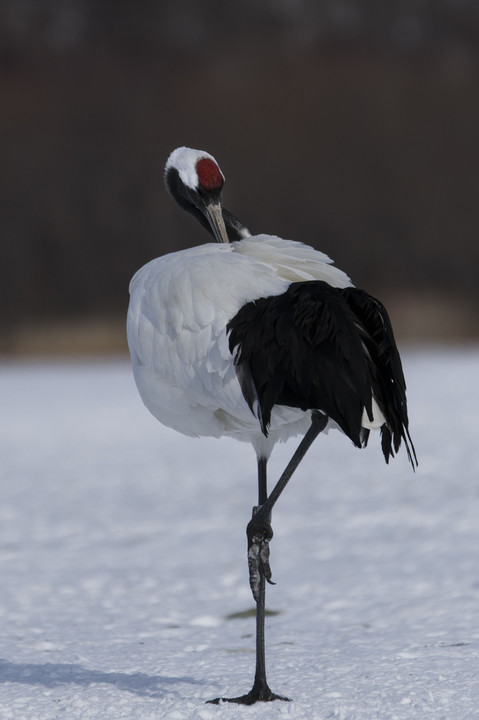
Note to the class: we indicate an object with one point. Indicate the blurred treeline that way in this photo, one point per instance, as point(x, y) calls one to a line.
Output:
point(352, 125)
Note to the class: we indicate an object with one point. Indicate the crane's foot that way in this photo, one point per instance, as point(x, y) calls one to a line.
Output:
point(258, 693)
point(259, 533)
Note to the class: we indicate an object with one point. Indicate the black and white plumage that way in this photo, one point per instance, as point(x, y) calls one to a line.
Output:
point(260, 339)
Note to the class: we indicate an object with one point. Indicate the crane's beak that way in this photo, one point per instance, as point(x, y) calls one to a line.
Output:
point(214, 213)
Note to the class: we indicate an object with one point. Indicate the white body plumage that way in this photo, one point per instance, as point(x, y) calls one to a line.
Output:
point(180, 306)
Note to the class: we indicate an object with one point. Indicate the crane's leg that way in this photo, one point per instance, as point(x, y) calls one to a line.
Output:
point(260, 690)
point(259, 533)
point(259, 530)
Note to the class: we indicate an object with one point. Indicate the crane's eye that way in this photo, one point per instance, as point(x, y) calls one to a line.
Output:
point(209, 174)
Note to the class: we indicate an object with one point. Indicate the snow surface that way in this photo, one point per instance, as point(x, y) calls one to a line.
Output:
point(124, 591)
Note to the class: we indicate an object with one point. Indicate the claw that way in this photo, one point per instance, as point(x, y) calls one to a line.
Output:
point(259, 534)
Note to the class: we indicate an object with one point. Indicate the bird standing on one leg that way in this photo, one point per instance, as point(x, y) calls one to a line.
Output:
point(260, 339)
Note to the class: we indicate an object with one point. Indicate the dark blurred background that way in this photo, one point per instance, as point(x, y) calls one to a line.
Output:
point(352, 125)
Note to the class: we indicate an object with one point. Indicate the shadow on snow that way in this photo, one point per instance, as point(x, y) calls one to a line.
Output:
point(53, 675)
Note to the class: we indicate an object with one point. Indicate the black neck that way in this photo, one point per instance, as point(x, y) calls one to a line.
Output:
point(234, 227)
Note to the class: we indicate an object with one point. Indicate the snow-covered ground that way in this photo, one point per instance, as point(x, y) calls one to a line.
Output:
point(123, 577)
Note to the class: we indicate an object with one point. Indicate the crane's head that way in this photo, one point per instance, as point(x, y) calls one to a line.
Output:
point(195, 180)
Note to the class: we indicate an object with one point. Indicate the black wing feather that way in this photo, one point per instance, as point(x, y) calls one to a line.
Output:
point(390, 385)
point(322, 348)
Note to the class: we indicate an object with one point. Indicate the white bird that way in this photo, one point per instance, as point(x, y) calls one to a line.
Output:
point(260, 339)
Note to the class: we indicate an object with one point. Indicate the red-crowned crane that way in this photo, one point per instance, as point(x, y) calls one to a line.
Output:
point(260, 339)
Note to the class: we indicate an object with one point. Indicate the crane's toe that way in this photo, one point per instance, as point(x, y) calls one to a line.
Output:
point(259, 693)
point(259, 533)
